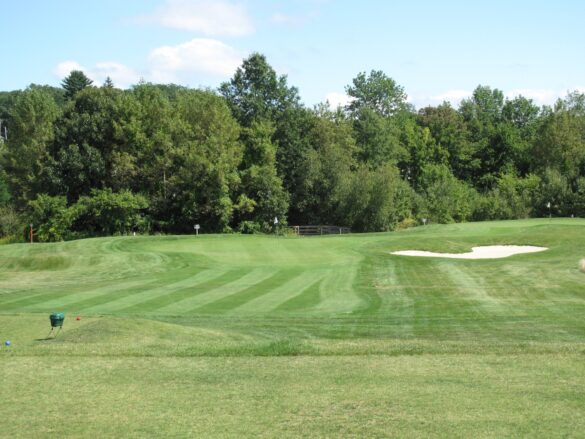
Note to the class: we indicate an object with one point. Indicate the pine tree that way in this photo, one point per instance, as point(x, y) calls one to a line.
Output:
point(108, 83)
point(74, 83)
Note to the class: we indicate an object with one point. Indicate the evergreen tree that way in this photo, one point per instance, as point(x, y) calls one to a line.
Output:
point(74, 83)
point(108, 83)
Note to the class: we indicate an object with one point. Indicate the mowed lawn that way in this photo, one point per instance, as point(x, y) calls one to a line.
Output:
point(260, 336)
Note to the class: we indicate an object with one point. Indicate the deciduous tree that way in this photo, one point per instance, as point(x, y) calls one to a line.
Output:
point(377, 92)
point(27, 148)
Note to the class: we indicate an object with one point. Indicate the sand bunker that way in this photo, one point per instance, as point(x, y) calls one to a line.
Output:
point(486, 252)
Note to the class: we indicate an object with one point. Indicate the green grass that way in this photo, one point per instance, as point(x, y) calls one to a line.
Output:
point(230, 336)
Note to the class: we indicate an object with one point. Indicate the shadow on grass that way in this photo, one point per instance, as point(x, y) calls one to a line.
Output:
point(275, 348)
point(48, 337)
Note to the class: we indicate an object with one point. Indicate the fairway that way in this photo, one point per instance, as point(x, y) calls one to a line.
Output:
point(231, 335)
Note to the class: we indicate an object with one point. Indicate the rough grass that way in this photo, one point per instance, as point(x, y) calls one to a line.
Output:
point(231, 336)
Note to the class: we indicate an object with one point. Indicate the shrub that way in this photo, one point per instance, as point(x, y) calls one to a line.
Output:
point(407, 223)
point(51, 218)
point(11, 224)
point(446, 199)
point(249, 227)
point(374, 200)
point(109, 213)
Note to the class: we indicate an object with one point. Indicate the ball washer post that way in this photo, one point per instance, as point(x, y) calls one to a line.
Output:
point(56, 319)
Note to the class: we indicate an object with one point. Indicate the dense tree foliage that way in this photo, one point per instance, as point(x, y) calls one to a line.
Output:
point(26, 156)
point(83, 160)
point(376, 92)
point(74, 83)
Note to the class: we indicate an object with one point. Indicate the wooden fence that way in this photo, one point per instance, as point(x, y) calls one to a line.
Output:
point(319, 230)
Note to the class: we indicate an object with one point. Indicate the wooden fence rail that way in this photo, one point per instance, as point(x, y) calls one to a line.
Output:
point(319, 230)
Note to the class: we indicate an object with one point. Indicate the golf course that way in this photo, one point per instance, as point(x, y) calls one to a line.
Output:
point(287, 336)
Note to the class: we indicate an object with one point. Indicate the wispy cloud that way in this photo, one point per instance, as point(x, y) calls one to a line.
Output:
point(337, 99)
point(63, 69)
point(165, 64)
point(122, 75)
point(453, 96)
point(213, 18)
point(200, 55)
point(539, 96)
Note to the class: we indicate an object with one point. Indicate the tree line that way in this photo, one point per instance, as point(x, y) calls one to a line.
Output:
point(85, 160)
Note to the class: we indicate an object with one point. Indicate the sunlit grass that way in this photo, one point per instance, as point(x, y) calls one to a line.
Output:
point(229, 336)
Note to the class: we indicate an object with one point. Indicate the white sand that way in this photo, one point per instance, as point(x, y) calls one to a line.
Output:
point(486, 252)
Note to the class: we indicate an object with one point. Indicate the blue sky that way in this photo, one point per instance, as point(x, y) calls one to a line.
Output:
point(437, 50)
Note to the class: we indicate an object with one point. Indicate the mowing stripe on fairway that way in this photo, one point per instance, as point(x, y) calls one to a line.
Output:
point(161, 301)
point(18, 299)
point(137, 301)
point(107, 294)
point(60, 300)
point(389, 296)
point(410, 297)
point(190, 304)
point(305, 300)
point(254, 291)
point(530, 283)
point(284, 292)
point(362, 289)
point(371, 268)
point(79, 299)
point(400, 302)
point(338, 294)
point(471, 285)
point(48, 300)
point(98, 301)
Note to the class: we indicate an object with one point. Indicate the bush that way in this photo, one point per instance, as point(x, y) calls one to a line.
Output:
point(51, 218)
point(374, 200)
point(407, 223)
point(11, 224)
point(249, 227)
point(4, 193)
point(110, 213)
point(446, 199)
point(102, 213)
point(555, 188)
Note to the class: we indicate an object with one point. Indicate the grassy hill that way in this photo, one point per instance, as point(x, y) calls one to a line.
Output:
point(226, 335)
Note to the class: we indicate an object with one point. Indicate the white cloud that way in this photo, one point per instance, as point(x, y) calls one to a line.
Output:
point(63, 69)
point(336, 99)
point(122, 76)
point(539, 96)
point(200, 55)
point(453, 96)
point(209, 17)
point(165, 64)
point(542, 96)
